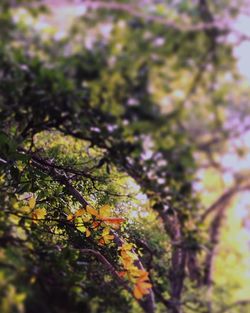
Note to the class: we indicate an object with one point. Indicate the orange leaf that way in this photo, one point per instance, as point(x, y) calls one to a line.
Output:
point(127, 262)
point(92, 211)
point(101, 242)
point(137, 292)
point(145, 286)
point(114, 220)
point(122, 274)
point(141, 289)
point(70, 217)
point(79, 212)
point(95, 225)
point(143, 275)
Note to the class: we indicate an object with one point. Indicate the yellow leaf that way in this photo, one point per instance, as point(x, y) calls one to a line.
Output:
point(88, 233)
point(92, 211)
point(126, 254)
point(25, 209)
point(135, 272)
point(81, 228)
point(32, 202)
point(14, 219)
point(39, 214)
point(86, 217)
point(106, 237)
point(32, 280)
point(79, 212)
point(15, 205)
point(105, 211)
point(126, 246)
point(105, 231)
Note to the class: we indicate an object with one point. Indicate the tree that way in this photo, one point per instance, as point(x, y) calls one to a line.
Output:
point(99, 131)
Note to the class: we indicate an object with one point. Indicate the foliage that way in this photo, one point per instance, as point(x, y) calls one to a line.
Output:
point(103, 132)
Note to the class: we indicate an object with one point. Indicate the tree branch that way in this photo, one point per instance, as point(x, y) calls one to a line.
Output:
point(109, 266)
point(147, 303)
point(220, 207)
point(137, 12)
point(224, 199)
